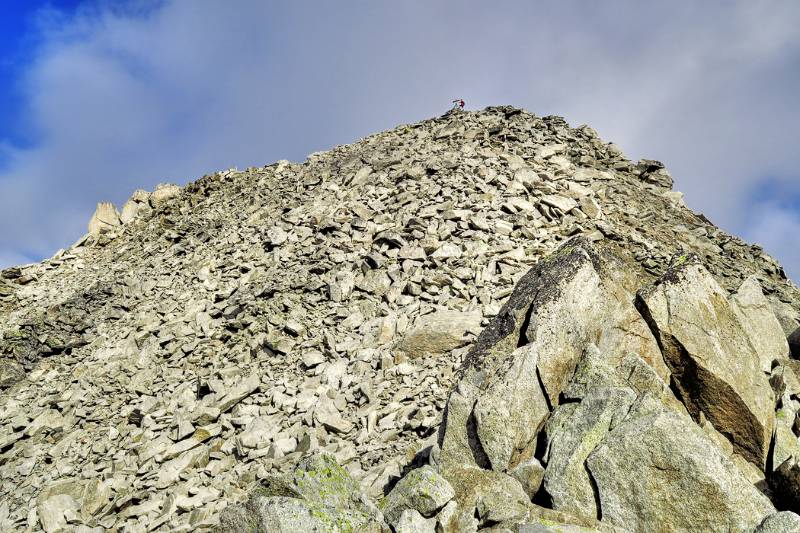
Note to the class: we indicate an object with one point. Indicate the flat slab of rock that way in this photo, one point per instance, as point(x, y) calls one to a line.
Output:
point(440, 332)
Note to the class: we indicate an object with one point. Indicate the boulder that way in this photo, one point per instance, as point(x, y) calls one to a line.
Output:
point(163, 192)
point(530, 473)
point(413, 522)
point(651, 171)
point(422, 490)
point(658, 469)
point(715, 367)
point(440, 332)
point(487, 496)
point(56, 511)
point(105, 218)
point(782, 522)
point(136, 206)
point(786, 443)
point(523, 361)
point(759, 322)
point(566, 478)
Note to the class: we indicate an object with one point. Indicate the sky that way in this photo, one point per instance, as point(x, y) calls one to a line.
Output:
point(98, 99)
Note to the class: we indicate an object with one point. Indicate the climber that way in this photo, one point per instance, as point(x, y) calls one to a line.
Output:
point(458, 104)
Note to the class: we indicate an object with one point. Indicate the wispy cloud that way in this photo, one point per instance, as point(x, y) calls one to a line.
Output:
point(124, 97)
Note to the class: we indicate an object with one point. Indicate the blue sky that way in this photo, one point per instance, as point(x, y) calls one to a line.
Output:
point(98, 99)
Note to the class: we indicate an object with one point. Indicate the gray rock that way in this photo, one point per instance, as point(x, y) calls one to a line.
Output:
point(320, 496)
point(530, 473)
point(119, 348)
point(566, 478)
point(759, 322)
point(105, 218)
point(657, 467)
point(783, 522)
point(422, 490)
point(163, 192)
point(413, 522)
point(714, 364)
point(283, 515)
point(440, 332)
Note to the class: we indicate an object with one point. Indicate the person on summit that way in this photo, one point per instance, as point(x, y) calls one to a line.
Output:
point(458, 103)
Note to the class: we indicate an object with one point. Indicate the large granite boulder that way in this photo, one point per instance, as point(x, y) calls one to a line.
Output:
point(657, 469)
point(526, 356)
point(715, 367)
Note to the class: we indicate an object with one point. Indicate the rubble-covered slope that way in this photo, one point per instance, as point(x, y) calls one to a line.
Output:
point(208, 337)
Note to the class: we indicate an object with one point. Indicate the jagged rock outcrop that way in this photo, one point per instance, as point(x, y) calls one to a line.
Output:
point(716, 367)
point(105, 218)
point(456, 295)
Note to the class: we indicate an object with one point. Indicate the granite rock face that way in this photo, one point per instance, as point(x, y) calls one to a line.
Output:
point(441, 318)
point(709, 347)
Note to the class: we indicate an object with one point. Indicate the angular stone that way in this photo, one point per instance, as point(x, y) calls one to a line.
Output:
point(163, 193)
point(96, 494)
point(560, 202)
point(439, 332)
point(105, 218)
point(759, 322)
point(319, 496)
point(258, 433)
point(282, 515)
point(54, 512)
point(422, 490)
point(509, 410)
point(413, 522)
point(530, 473)
point(238, 392)
point(714, 364)
point(657, 469)
point(786, 443)
point(783, 522)
point(447, 251)
point(566, 478)
point(135, 207)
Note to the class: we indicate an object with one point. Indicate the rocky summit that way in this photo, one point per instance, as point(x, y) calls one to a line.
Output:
point(486, 321)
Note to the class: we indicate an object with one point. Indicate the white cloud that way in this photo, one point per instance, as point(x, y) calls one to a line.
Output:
point(124, 98)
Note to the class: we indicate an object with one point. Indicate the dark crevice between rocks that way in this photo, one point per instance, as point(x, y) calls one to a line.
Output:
point(478, 453)
point(542, 498)
point(770, 464)
point(544, 390)
point(541, 446)
point(523, 330)
point(783, 485)
point(794, 344)
point(596, 491)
